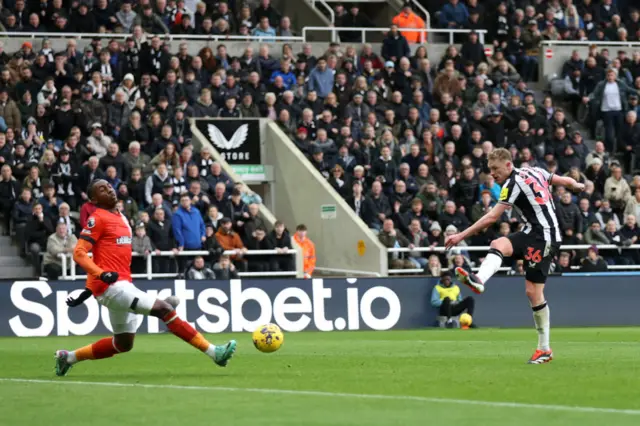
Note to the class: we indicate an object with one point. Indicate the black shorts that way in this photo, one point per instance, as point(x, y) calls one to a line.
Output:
point(536, 253)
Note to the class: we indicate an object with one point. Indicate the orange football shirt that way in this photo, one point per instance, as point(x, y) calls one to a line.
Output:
point(110, 235)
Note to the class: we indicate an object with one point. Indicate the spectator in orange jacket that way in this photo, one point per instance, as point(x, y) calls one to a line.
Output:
point(230, 240)
point(308, 250)
point(408, 19)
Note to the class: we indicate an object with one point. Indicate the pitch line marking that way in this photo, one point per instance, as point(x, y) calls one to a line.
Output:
point(498, 404)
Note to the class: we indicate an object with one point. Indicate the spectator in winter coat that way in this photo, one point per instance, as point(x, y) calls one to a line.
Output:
point(204, 106)
point(395, 46)
point(472, 50)
point(231, 241)
point(450, 216)
point(224, 269)
point(408, 19)
point(593, 262)
point(308, 250)
point(393, 238)
point(98, 142)
point(9, 110)
point(616, 189)
point(281, 241)
point(199, 270)
point(321, 79)
point(377, 205)
point(188, 226)
point(9, 193)
point(454, 15)
point(60, 242)
point(569, 216)
point(39, 227)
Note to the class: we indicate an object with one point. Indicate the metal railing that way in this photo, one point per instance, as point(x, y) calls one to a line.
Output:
point(334, 32)
point(589, 43)
point(504, 269)
point(69, 265)
point(169, 37)
point(332, 15)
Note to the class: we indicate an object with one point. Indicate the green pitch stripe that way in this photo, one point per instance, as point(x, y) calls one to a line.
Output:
point(497, 404)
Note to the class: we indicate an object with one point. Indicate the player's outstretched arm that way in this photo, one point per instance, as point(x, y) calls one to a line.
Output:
point(485, 221)
point(568, 182)
point(82, 258)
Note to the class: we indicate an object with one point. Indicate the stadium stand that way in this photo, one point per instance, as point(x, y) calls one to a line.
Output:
point(401, 135)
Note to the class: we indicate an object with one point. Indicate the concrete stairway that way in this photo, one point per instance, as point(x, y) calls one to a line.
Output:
point(12, 266)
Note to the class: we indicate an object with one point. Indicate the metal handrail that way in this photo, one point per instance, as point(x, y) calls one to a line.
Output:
point(67, 260)
point(421, 8)
point(170, 37)
point(589, 43)
point(505, 269)
point(332, 14)
point(486, 248)
point(364, 30)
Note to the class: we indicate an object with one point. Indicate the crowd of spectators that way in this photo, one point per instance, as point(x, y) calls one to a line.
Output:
point(181, 17)
point(401, 136)
point(119, 112)
point(581, 20)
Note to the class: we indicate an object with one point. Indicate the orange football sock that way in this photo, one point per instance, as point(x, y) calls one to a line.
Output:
point(103, 348)
point(183, 330)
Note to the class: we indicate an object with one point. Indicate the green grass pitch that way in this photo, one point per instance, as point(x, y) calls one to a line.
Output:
point(430, 377)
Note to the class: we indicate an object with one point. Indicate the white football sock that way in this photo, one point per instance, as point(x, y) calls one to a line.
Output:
point(541, 318)
point(71, 357)
point(490, 265)
point(211, 351)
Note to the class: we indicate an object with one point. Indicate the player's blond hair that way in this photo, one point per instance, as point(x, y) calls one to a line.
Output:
point(499, 154)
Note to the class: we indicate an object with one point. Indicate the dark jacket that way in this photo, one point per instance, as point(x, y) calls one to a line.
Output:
point(39, 230)
point(161, 234)
point(395, 47)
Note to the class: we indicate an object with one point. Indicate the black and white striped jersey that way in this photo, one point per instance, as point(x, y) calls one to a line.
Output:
point(528, 190)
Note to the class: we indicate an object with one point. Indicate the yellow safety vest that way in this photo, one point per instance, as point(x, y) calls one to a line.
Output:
point(452, 292)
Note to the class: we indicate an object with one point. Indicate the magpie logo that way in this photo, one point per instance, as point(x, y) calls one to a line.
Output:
point(221, 142)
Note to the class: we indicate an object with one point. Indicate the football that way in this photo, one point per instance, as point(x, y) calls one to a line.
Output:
point(268, 338)
point(465, 320)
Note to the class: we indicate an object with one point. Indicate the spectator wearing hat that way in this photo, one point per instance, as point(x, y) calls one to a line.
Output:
point(593, 262)
point(90, 110)
point(447, 298)
point(98, 143)
point(83, 21)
